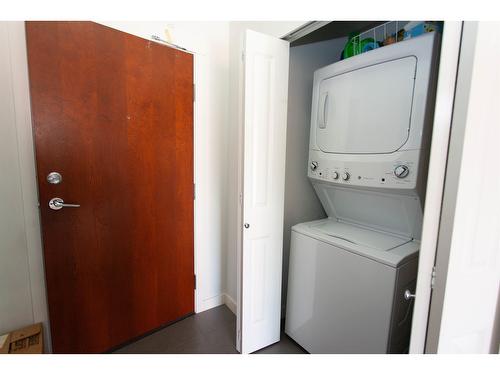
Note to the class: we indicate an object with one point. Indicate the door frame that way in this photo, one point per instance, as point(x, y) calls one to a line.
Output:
point(24, 127)
point(449, 54)
point(444, 101)
point(461, 276)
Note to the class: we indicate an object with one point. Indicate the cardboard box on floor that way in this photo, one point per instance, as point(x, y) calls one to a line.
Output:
point(27, 340)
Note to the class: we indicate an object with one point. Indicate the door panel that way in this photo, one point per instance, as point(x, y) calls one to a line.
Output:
point(113, 113)
point(266, 89)
point(366, 110)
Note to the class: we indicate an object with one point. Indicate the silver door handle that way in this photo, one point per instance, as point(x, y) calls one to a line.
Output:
point(408, 294)
point(58, 203)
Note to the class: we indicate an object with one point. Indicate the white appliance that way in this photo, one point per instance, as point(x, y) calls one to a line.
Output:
point(369, 140)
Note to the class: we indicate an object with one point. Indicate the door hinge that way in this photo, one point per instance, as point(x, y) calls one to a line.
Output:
point(243, 56)
point(433, 277)
point(194, 281)
point(194, 92)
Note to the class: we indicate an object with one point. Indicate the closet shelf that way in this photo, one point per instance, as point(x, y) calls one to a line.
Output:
point(385, 34)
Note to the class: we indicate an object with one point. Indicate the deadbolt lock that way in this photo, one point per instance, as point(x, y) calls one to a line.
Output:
point(54, 178)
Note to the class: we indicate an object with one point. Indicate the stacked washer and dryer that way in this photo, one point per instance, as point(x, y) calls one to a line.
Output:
point(369, 145)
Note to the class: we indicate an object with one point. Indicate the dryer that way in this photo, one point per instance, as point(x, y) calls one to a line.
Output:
point(369, 144)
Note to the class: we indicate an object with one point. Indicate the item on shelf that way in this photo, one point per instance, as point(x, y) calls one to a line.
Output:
point(371, 45)
point(393, 38)
point(413, 29)
point(401, 35)
point(389, 40)
point(355, 46)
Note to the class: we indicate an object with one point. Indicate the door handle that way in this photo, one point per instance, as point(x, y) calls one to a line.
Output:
point(58, 203)
point(323, 111)
point(408, 294)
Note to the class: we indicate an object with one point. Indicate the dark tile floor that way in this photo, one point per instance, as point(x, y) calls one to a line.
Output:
point(210, 332)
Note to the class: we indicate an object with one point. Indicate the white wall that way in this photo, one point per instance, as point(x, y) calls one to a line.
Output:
point(15, 293)
point(301, 202)
point(209, 42)
point(236, 37)
point(22, 282)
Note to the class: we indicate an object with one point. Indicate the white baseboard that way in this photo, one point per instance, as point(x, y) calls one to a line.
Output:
point(210, 303)
point(230, 303)
point(221, 299)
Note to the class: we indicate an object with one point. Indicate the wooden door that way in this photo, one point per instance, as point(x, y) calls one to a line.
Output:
point(113, 114)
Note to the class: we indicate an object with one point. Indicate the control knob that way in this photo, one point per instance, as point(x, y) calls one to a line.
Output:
point(314, 165)
point(401, 171)
point(335, 175)
point(345, 176)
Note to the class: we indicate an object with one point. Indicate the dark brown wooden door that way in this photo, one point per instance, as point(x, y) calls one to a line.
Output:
point(113, 114)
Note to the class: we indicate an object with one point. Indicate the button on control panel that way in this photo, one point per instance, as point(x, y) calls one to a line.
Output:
point(345, 176)
point(401, 171)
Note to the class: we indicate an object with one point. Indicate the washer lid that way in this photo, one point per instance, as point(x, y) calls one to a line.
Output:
point(381, 247)
point(400, 214)
point(357, 235)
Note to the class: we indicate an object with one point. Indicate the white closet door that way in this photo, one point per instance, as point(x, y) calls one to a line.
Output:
point(265, 109)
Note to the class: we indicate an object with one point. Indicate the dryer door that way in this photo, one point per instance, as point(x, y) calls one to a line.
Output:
point(367, 110)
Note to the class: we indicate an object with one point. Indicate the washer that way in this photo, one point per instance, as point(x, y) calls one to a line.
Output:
point(346, 289)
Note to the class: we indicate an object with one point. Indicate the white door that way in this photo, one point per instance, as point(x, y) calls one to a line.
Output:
point(265, 109)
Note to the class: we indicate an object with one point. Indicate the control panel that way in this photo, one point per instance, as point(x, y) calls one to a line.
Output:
point(397, 170)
